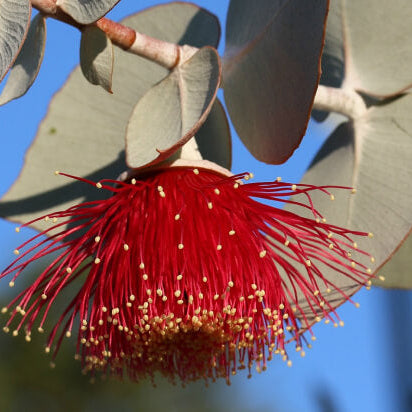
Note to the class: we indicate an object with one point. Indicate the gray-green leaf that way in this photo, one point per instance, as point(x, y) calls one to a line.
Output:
point(86, 11)
point(397, 272)
point(14, 23)
point(271, 71)
point(171, 112)
point(374, 155)
point(87, 120)
point(28, 62)
point(377, 47)
point(96, 57)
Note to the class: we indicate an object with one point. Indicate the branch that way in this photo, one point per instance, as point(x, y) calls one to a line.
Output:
point(345, 101)
point(166, 54)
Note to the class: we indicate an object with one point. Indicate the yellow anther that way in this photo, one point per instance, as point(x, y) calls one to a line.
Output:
point(316, 293)
point(164, 298)
point(372, 259)
point(230, 284)
point(382, 278)
point(97, 239)
point(177, 293)
point(162, 194)
point(56, 172)
point(289, 363)
point(217, 191)
point(141, 266)
point(294, 187)
point(302, 354)
point(210, 205)
point(355, 245)
point(28, 338)
point(286, 243)
point(15, 332)
point(44, 296)
point(236, 185)
point(126, 247)
point(231, 232)
point(281, 306)
point(216, 297)
point(262, 253)
point(6, 329)
point(68, 334)
point(330, 234)
point(145, 276)
point(180, 302)
point(133, 181)
point(357, 305)
point(159, 292)
point(177, 216)
point(353, 191)
point(308, 263)
point(149, 292)
point(97, 261)
point(99, 185)
point(180, 246)
point(353, 264)
point(179, 277)
point(16, 251)
point(332, 197)
point(331, 246)
point(278, 179)
point(17, 229)
point(254, 286)
point(11, 284)
point(47, 349)
point(160, 188)
point(69, 270)
point(4, 310)
point(104, 309)
point(285, 316)
point(204, 279)
point(40, 329)
point(342, 323)
point(132, 298)
point(196, 171)
point(370, 234)
point(313, 337)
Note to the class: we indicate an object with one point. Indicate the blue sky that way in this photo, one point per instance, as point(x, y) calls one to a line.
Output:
point(355, 364)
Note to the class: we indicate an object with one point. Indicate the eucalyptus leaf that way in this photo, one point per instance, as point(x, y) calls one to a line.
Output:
point(375, 36)
point(86, 11)
point(96, 57)
point(171, 112)
point(83, 132)
point(14, 23)
point(373, 155)
point(28, 62)
point(397, 273)
point(271, 71)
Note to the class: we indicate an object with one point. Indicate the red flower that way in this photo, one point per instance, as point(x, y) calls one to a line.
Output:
point(185, 272)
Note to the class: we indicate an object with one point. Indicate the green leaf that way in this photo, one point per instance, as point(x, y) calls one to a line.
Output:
point(96, 57)
point(83, 132)
point(86, 11)
point(28, 62)
point(171, 112)
point(377, 48)
point(373, 155)
point(14, 23)
point(213, 138)
point(397, 272)
point(271, 71)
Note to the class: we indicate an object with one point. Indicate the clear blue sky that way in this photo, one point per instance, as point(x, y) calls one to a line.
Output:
point(355, 365)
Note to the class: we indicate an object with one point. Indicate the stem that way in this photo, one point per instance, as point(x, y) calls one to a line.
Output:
point(166, 54)
point(345, 101)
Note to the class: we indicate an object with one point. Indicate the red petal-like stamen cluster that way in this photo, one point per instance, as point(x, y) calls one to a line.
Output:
point(185, 272)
